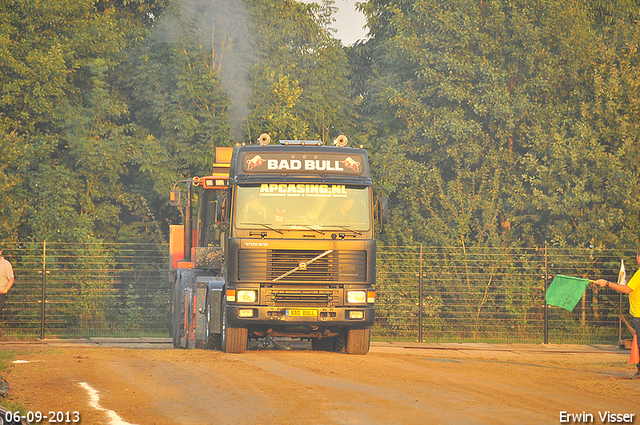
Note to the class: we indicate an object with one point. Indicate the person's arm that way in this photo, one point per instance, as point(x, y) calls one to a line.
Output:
point(619, 288)
point(9, 285)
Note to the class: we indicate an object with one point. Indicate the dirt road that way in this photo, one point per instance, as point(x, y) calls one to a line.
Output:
point(393, 384)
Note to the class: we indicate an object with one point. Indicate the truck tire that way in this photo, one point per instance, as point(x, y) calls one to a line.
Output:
point(322, 344)
point(358, 341)
point(177, 327)
point(234, 340)
point(339, 342)
point(172, 306)
point(214, 340)
point(176, 337)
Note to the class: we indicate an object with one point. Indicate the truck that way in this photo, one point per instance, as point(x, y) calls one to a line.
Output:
point(283, 244)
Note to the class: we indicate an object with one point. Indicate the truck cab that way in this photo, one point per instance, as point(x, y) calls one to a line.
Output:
point(294, 227)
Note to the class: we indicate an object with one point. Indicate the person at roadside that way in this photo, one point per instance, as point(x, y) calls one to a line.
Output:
point(6, 282)
point(633, 290)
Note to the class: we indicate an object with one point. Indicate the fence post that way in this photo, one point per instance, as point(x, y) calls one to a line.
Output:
point(546, 286)
point(44, 287)
point(420, 285)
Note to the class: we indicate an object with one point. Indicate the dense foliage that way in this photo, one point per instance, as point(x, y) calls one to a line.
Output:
point(490, 123)
point(505, 122)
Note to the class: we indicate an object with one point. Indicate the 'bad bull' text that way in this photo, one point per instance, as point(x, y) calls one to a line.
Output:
point(312, 165)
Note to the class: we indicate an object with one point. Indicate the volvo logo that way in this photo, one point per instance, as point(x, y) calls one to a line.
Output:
point(256, 244)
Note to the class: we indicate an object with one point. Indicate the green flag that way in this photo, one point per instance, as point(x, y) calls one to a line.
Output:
point(566, 291)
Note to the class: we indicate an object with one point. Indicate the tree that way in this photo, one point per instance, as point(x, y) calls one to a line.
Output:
point(484, 99)
point(299, 80)
point(56, 102)
point(180, 108)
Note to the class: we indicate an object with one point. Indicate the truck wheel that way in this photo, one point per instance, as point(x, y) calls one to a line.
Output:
point(234, 340)
point(339, 342)
point(172, 306)
point(358, 341)
point(176, 316)
point(322, 344)
point(214, 340)
point(176, 338)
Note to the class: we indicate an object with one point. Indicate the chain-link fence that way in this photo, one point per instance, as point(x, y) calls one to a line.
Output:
point(88, 289)
point(431, 294)
point(495, 295)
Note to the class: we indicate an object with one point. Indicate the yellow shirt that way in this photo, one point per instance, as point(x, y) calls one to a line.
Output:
point(634, 297)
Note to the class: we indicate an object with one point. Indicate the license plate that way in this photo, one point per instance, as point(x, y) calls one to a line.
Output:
point(302, 313)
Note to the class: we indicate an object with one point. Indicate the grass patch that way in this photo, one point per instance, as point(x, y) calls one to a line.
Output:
point(6, 357)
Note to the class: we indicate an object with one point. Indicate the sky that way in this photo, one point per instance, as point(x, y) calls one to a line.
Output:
point(349, 22)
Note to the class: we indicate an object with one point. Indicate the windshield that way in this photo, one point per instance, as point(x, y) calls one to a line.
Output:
point(304, 205)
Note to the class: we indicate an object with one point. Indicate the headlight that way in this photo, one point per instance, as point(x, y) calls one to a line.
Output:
point(245, 312)
point(247, 296)
point(356, 297)
point(356, 315)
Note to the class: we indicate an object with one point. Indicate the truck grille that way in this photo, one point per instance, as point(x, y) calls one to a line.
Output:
point(301, 298)
point(278, 266)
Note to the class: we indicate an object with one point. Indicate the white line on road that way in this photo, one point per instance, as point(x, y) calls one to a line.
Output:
point(94, 401)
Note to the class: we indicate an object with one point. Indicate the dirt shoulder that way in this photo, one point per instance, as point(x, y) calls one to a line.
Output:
point(393, 384)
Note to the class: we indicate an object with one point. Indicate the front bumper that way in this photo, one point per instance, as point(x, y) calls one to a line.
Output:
point(353, 316)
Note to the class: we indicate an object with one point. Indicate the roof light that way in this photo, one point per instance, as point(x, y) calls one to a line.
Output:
point(301, 142)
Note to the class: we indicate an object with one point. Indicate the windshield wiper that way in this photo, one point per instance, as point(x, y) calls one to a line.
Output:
point(307, 227)
point(357, 232)
point(263, 225)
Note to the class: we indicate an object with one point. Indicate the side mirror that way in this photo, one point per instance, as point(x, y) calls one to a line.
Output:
point(174, 198)
point(221, 208)
point(383, 210)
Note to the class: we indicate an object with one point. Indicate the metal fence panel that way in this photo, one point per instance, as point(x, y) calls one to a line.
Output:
point(458, 294)
point(107, 290)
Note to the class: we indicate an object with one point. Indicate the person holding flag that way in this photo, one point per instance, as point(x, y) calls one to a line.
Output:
point(633, 290)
